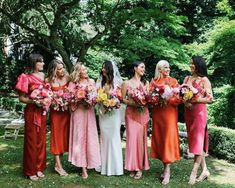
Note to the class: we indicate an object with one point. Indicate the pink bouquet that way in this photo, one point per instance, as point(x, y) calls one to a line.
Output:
point(42, 95)
point(61, 99)
point(160, 94)
point(86, 93)
point(187, 92)
point(139, 96)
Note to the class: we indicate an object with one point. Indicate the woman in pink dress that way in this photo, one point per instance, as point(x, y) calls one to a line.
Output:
point(84, 149)
point(34, 159)
point(136, 156)
point(60, 118)
point(196, 117)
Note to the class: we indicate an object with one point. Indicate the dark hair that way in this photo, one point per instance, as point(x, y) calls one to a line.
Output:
point(200, 66)
point(51, 72)
point(136, 64)
point(32, 61)
point(109, 73)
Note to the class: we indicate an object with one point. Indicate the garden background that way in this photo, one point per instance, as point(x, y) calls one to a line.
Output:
point(92, 31)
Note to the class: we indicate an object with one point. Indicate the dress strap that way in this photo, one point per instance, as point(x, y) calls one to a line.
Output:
point(187, 79)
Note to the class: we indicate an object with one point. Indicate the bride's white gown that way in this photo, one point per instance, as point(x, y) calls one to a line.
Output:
point(110, 142)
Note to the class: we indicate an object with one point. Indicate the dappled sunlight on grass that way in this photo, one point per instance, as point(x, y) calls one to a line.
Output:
point(11, 154)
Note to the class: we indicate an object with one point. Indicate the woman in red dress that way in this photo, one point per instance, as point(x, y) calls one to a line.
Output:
point(165, 138)
point(59, 119)
point(34, 159)
point(196, 117)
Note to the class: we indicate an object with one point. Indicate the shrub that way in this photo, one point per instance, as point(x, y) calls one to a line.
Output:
point(220, 112)
point(222, 143)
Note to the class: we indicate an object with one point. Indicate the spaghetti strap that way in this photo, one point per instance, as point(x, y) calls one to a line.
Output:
point(187, 79)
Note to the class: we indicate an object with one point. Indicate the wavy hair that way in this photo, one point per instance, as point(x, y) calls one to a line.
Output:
point(52, 68)
point(159, 65)
point(75, 75)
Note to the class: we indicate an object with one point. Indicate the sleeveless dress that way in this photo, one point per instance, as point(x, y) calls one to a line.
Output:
point(196, 123)
point(84, 149)
point(110, 143)
point(136, 154)
point(165, 136)
point(34, 157)
point(60, 120)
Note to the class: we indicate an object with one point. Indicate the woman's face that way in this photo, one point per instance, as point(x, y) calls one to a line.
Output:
point(165, 70)
point(140, 69)
point(192, 67)
point(60, 70)
point(83, 72)
point(39, 66)
point(103, 70)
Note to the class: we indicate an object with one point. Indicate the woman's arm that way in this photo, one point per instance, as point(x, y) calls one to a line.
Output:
point(124, 93)
point(208, 89)
point(24, 99)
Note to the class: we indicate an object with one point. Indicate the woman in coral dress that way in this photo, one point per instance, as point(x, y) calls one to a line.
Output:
point(165, 138)
point(34, 159)
point(136, 157)
point(110, 124)
point(84, 149)
point(196, 117)
point(59, 118)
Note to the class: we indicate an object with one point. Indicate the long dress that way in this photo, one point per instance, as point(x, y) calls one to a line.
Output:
point(110, 143)
point(196, 123)
point(84, 149)
point(34, 157)
point(165, 136)
point(136, 153)
point(60, 120)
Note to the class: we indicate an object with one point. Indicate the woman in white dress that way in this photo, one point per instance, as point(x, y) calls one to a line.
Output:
point(110, 124)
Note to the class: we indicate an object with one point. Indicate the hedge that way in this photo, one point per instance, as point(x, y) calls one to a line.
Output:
point(221, 142)
point(11, 104)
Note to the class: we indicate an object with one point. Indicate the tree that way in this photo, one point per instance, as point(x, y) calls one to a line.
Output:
point(128, 28)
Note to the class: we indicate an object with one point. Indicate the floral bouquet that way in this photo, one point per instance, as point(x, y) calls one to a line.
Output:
point(42, 95)
point(61, 99)
point(160, 94)
point(187, 92)
point(139, 96)
point(107, 101)
point(86, 93)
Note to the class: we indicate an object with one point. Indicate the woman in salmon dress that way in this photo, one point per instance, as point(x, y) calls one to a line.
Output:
point(165, 138)
point(34, 157)
point(136, 154)
point(59, 118)
point(84, 149)
point(196, 117)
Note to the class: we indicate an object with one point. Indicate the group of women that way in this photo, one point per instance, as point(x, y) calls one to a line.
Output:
point(75, 131)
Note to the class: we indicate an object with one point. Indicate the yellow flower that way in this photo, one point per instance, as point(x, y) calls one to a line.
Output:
point(106, 102)
point(188, 95)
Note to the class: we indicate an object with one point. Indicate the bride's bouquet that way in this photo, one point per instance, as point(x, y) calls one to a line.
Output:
point(42, 96)
point(107, 101)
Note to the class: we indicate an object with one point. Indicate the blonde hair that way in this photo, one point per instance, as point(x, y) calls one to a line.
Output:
point(159, 65)
point(52, 68)
point(75, 75)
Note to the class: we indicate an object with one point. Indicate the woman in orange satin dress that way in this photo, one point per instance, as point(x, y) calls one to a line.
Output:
point(34, 159)
point(59, 120)
point(165, 139)
point(136, 155)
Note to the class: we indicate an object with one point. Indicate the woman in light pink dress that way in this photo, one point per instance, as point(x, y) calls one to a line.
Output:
point(196, 117)
point(84, 149)
point(136, 157)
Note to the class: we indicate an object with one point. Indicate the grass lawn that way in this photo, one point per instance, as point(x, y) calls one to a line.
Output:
point(222, 172)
